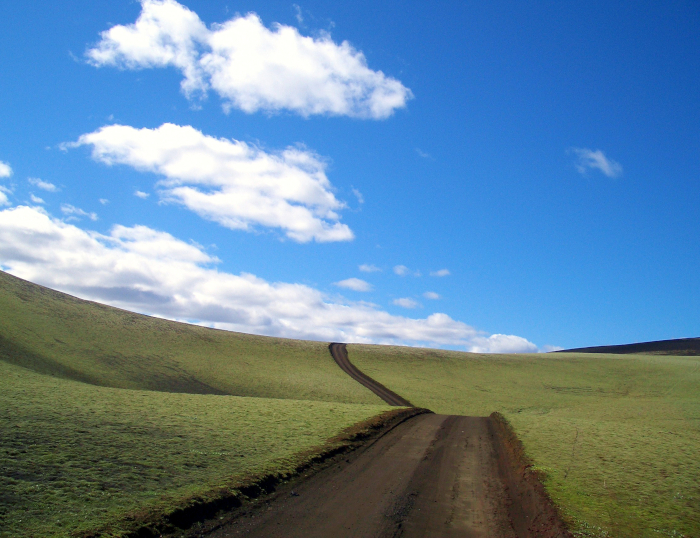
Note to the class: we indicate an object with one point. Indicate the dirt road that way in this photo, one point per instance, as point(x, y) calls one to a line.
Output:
point(340, 355)
point(433, 475)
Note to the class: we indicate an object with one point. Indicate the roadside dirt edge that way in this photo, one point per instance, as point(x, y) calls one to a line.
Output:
point(526, 492)
point(202, 510)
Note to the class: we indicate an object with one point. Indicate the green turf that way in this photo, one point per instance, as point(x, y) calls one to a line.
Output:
point(104, 413)
point(74, 456)
point(617, 438)
point(54, 333)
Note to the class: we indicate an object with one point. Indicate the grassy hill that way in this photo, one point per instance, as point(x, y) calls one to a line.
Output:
point(57, 334)
point(615, 437)
point(106, 415)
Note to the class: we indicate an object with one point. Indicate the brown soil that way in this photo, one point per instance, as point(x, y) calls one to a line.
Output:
point(430, 476)
point(339, 353)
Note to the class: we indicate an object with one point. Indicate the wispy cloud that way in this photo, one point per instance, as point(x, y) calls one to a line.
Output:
point(440, 273)
point(227, 181)
point(41, 184)
point(423, 154)
point(5, 169)
point(298, 14)
point(4, 200)
point(589, 159)
point(104, 201)
point(250, 66)
point(355, 284)
point(358, 195)
point(402, 270)
point(36, 199)
point(150, 271)
point(406, 302)
point(74, 213)
point(431, 295)
point(141, 194)
point(369, 268)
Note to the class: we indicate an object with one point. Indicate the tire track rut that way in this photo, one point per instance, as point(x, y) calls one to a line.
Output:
point(339, 352)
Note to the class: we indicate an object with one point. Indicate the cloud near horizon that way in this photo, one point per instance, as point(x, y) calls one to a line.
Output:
point(144, 270)
point(250, 66)
point(228, 181)
point(589, 159)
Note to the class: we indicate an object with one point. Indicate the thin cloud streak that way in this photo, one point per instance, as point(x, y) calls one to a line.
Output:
point(596, 160)
point(355, 284)
point(43, 185)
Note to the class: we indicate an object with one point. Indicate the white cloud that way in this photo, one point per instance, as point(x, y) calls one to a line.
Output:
point(4, 200)
point(502, 343)
point(401, 270)
point(358, 195)
point(356, 284)
point(74, 213)
point(104, 201)
point(229, 182)
point(141, 194)
point(405, 302)
point(144, 270)
point(431, 295)
point(250, 66)
point(5, 169)
point(423, 154)
point(588, 158)
point(36, 199)
point(369, 268)
point(441, 272)
point(41, 184)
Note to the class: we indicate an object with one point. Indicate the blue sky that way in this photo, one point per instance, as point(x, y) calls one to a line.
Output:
point(499, 177)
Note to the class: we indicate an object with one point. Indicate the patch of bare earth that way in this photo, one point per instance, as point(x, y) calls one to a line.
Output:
point(430, 476)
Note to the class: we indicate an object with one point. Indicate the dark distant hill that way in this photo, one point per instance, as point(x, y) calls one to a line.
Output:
point(680, 346)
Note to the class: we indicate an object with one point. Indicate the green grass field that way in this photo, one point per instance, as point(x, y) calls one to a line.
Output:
point(105, 414)
point(616, 437)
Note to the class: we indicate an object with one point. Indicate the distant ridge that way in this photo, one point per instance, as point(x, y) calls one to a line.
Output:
point(680, 346)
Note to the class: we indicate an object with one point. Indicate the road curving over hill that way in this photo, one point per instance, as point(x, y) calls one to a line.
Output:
point(426, 476)
point(339, 353)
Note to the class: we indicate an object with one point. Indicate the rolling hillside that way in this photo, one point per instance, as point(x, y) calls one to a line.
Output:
point(108, 418)
point(53, 333)
point(615, 438)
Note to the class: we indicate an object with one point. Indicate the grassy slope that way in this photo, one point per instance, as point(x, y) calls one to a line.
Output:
point(104, 412)
point(616, 437)
point(54, 333)
point(75, 456)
